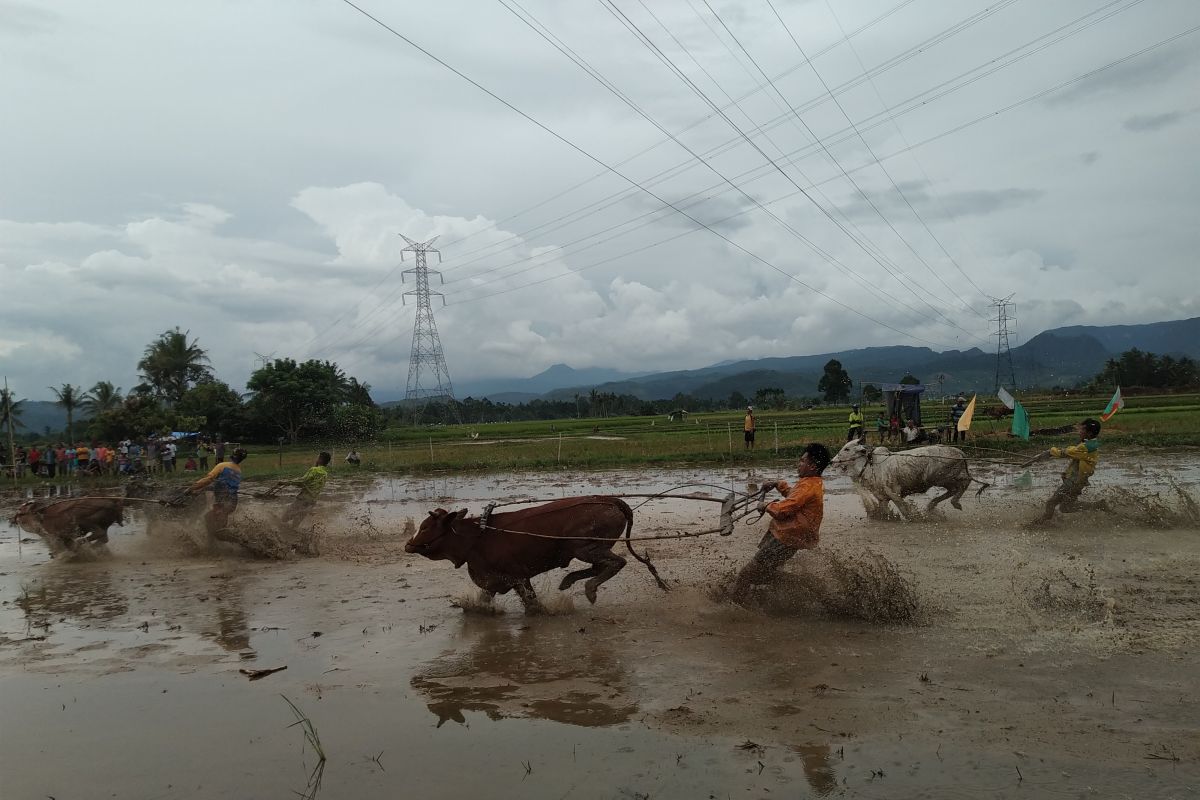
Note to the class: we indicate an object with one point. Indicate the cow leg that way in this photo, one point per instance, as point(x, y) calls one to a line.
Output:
point(606, 563)
point(571, 577)
point(906, 508)
point(528, 597)
point(949, 493)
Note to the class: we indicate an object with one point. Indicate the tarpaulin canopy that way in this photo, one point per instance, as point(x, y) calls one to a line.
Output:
point(903, 400)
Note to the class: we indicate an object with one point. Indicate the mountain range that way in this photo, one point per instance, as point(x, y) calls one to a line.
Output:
point(1058, 357)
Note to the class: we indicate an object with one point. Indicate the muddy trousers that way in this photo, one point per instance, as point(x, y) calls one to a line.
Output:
point(1066, 499)
point(771, 555)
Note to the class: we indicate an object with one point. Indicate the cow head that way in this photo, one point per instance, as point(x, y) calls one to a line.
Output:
point(439, 538)
point(852, 459)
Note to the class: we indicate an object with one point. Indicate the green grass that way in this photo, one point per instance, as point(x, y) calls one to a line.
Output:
point(709, 438)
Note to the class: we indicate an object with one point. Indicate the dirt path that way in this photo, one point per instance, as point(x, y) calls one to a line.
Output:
point(1058, 662)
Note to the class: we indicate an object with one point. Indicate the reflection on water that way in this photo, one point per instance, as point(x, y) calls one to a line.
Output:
point(548, 671)
point(78, 592)
point(817, 769)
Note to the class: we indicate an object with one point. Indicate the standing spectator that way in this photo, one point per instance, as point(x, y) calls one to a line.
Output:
point(152, 462)
point(220, 451)
point(881, 426)
point(22, 458)
point(202, 452)
point(135, 457)
point(60, 455)
point(894, 427)
point(748, 427)
point(169, 458)
point(35, 459)
point(960, 406)
point(854, 423)
point(82, 456)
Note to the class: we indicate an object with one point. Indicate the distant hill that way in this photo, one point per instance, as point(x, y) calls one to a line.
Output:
point(1062, 357)
point(1179, 337)
point(557, 376)
point(37, 415)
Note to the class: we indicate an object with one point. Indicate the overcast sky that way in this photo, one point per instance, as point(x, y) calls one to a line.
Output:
point(243, 170)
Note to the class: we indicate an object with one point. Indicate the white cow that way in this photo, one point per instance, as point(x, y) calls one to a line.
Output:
point(890, 477)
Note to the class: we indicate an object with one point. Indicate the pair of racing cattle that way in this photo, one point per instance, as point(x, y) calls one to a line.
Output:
point(507, 550)
point(504, 551)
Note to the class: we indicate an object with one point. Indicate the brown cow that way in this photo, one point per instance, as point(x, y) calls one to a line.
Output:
point(67, 524)
point(512, 547)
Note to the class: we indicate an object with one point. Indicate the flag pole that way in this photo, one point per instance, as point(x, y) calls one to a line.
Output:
point(12, 450)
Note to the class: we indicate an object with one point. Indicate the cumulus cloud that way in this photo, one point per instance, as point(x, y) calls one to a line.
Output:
point(278, 230)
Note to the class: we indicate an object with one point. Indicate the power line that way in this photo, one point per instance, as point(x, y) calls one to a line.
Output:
point(963, 126)
point(597, 160)
point(940, 90)
point(870, 151)
point(684, 166)
point(582, 63)
point(646, 41)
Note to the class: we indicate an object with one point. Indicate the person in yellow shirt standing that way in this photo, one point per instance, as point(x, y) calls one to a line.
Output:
point(311, 484)
point(855, 423)
point(1081, 465)
point(748, 427)
point(795, 521)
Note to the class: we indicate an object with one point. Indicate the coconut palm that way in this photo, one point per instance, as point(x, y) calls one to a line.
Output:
point(70, 398)
point(171, 364)
point(10, 410)
point(102, 397)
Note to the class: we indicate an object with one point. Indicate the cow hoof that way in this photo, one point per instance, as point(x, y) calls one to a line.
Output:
point(956, 504)
point(590, 593)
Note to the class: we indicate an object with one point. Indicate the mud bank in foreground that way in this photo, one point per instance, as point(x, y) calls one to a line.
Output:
point(1059, 662)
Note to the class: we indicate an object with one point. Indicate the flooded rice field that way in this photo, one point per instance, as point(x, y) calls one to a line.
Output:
point(1037, 662)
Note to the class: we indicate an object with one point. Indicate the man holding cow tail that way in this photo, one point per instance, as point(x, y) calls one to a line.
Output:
point(1083, 458)
point(225, 479)
point(795, 522)
point(311, 484)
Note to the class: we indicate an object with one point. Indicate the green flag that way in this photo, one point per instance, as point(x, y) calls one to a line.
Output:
point(1020, 426)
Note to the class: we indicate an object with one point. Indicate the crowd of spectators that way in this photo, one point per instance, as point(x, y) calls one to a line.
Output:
point(127, 457)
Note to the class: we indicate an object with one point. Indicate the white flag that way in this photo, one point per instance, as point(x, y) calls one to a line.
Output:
point(1006, 398)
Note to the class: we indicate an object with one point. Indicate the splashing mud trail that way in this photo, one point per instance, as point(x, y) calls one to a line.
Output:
point(962, 656)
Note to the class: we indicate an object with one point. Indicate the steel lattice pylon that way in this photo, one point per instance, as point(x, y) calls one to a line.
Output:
point(426, 359)
point(1003, 352)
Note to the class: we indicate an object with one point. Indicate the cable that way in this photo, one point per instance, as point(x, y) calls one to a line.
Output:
point(963, 126)
point(588, 155)
point(596, 75)
point(609, 4)
point(865, 144)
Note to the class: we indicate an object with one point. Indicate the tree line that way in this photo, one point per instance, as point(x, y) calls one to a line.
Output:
point(179, 391)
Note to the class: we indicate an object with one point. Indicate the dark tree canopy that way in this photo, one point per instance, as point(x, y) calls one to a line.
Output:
point(1137, 368)
point(835, 383)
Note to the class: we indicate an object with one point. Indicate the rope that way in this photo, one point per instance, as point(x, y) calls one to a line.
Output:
point(607, 539)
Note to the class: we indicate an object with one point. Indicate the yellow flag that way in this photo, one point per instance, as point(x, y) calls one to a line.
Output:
point(964, 422)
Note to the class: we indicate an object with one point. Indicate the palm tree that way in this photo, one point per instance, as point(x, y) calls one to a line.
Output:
point(171, 364)
point(70, 398)
point(10, 411)
point(102, 397)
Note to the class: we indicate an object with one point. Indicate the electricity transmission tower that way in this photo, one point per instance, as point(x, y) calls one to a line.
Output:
point(426, 355)
point(1003, 352)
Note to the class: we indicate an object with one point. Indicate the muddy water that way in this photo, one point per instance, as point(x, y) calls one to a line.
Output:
point(1047, 663)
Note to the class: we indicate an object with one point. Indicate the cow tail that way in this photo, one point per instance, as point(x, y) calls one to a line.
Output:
point(628, 512)
point(982, 485)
